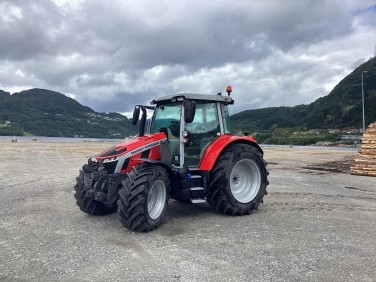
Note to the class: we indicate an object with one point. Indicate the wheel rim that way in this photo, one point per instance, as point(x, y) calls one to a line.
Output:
point(245, 180)
point(156, 199)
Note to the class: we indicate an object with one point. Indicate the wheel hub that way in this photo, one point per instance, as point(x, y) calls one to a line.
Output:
point(245, 180)
point(157, 199)
point(235, 179)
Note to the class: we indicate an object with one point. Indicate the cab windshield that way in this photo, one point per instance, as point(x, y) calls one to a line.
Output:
point(167, 116)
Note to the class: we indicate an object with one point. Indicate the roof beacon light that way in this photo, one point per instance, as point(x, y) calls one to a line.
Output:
point(228, 89)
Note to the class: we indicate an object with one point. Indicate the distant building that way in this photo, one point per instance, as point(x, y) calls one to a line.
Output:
point(334, 131)
point(353, 139)
point(314, 131)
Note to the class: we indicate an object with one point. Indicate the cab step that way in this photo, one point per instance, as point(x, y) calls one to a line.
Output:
point(197, 193)
point(197, 201)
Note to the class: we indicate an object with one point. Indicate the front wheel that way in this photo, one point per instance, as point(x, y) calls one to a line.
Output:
point(84, 201)
point(143, 198)
point(238, 180)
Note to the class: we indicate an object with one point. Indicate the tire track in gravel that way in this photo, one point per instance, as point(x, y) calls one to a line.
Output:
point(292, 202)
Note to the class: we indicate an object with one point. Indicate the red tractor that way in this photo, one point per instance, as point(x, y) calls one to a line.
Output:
point(186, 152)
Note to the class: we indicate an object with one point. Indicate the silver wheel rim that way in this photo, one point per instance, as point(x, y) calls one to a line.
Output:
point(245, 180)
point(156, 199)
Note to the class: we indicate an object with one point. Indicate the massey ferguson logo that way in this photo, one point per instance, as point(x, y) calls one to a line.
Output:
point(144, 148)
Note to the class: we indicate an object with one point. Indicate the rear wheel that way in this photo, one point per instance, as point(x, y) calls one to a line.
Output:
point(143, 198)
point(86, 203)
point(238, 180)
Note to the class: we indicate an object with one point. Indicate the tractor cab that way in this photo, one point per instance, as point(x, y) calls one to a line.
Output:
point(191, 123)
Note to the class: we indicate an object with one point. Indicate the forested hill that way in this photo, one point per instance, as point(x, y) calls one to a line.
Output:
point(47, 113)
point(340, 109)
point(43, 112)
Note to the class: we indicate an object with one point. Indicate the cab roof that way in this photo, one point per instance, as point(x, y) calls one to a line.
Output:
point(195, 97)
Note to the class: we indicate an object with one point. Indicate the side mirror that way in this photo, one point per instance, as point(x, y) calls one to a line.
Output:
point(136, 115)
point(189, 110)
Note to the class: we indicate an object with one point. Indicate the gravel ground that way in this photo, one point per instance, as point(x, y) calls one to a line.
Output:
point(315, 225)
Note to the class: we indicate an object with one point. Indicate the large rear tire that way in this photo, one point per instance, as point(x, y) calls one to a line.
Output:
point(143, 198)
point(238, 180)
point(86, 203)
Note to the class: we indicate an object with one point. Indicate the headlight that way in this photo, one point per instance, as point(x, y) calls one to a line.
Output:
point(110, 160)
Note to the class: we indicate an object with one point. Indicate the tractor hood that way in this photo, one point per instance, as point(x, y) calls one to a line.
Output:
point(132, 146)
point(122, 157)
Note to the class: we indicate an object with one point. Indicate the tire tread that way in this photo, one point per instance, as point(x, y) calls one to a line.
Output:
point(219, 191)
point(133, 198)
point(86, 203)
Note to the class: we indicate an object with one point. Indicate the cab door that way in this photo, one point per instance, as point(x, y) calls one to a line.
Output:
point(203, 131)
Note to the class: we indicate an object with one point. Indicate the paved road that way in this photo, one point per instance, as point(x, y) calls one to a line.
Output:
point(314, 226)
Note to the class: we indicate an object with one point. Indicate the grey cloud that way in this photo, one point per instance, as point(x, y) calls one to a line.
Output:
point(120, 102)
point(112, 55)
point(358, 63)
point(209, 36)
point(96, 80)
point(307, 22)
point(26, 28)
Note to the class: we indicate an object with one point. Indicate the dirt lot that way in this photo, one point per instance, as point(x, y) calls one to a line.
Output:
point(316, 224)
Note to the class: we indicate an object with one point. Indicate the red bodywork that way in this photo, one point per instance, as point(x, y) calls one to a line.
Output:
point(213, 151)
point(148, 147)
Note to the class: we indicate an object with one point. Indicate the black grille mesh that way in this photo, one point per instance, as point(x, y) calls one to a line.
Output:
point(110, 166)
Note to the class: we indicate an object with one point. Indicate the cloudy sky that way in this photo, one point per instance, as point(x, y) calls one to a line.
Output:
point(110, 55)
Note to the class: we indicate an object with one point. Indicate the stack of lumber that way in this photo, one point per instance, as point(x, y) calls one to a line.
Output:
point(365, 162)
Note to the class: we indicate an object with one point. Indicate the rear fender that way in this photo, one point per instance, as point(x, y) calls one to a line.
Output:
point(214, 150)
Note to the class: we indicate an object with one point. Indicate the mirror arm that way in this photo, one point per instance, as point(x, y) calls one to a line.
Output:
point(141, 131)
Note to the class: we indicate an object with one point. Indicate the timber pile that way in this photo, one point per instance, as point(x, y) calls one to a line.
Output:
point(365, 162)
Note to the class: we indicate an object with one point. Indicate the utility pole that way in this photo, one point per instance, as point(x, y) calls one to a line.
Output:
point(364, 124)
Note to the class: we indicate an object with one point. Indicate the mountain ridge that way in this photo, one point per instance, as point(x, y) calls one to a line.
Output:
point(341, 108)
point(44, 112)
point(49, 113)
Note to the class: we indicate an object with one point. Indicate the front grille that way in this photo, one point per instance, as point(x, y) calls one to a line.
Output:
point(110, 166)
point(125, 164)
